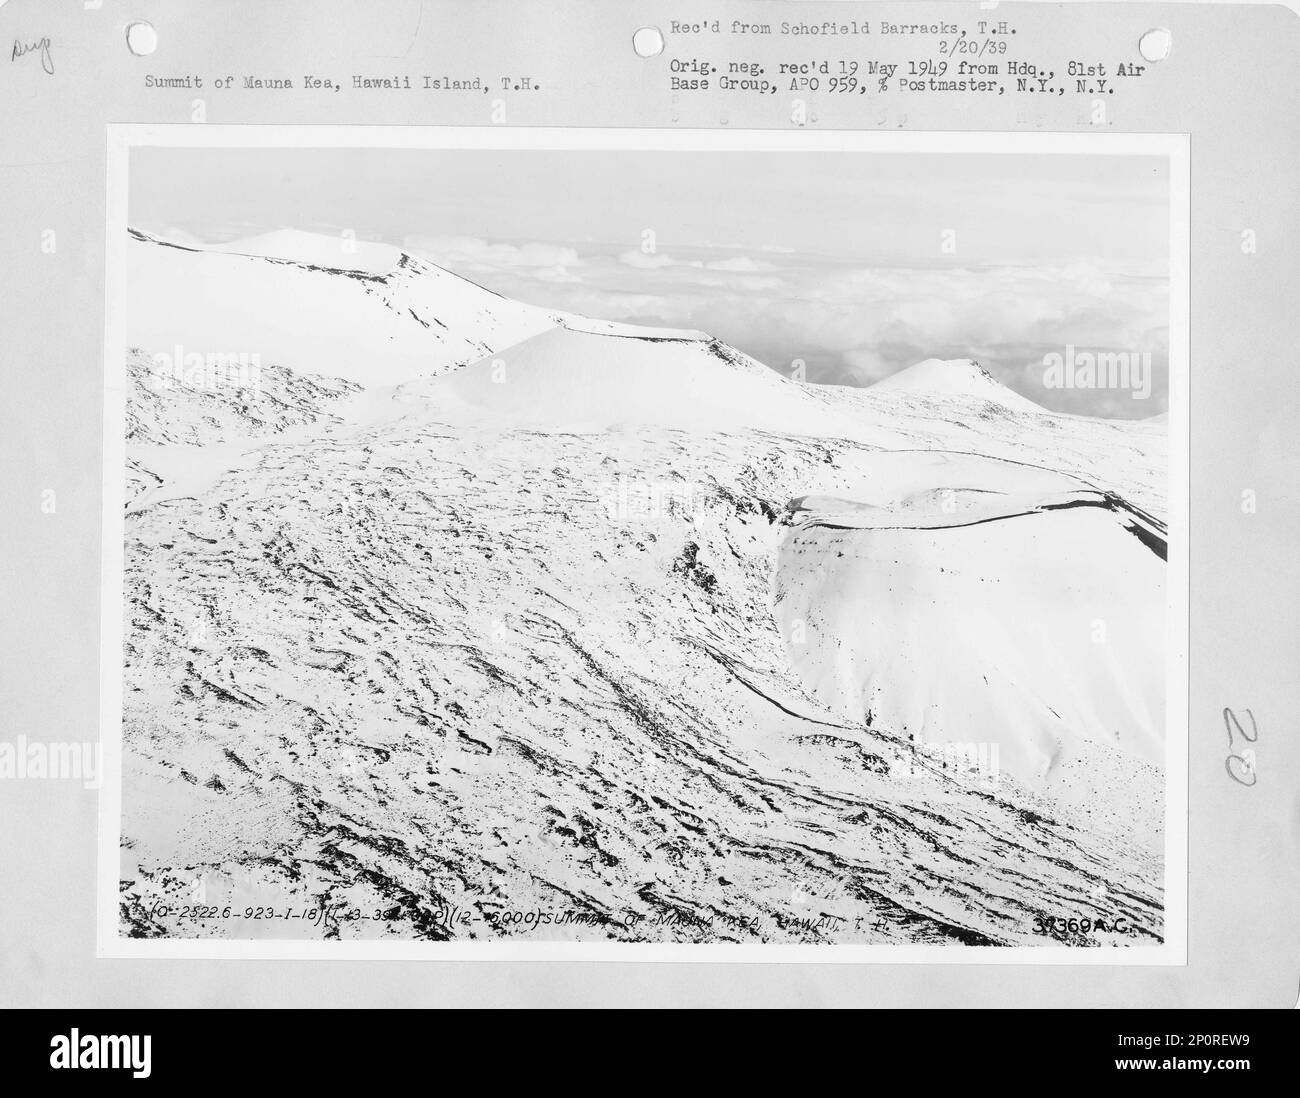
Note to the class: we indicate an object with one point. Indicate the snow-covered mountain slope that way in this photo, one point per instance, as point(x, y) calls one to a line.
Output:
point(520, 638)
point(414, 665)
point(969, 594)
point(166, 406)
point(1127, 457)
point(953, 377)
point(322, 310)
point(590, 380)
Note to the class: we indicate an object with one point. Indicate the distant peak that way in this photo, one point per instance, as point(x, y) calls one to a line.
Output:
point(953, 377)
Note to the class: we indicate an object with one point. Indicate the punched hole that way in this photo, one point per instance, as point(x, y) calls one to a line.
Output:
point(648, 41)
point(1155, 44)
point(141, 39)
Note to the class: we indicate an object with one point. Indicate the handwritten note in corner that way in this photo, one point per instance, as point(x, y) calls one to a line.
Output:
point(40, 46)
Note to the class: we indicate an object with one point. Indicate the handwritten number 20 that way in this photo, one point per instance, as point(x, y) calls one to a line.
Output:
point(1245, 760)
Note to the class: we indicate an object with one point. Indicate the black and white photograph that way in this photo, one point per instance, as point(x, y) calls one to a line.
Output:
point(779, 505)
point(644, 542)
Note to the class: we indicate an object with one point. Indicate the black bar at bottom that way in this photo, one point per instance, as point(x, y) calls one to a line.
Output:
point(306, 1048)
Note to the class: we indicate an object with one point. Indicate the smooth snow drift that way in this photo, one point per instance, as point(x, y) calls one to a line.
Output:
point(967, 599)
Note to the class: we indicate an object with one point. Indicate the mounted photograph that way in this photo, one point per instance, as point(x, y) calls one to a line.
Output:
point(645, 545)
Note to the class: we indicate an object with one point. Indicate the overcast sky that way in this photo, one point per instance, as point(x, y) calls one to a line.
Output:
point(834, 258)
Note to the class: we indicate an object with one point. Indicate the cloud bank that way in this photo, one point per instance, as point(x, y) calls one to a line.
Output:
point(847, 323)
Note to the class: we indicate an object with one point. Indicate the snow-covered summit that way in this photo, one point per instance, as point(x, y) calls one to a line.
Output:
point(597, 377)
point(316, 250)
point(372, 315)
point(953, 377)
